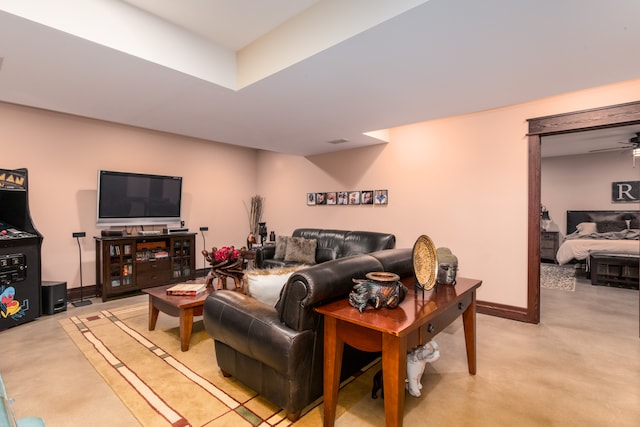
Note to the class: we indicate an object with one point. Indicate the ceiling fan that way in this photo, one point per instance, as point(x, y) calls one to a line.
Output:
point(632, 144)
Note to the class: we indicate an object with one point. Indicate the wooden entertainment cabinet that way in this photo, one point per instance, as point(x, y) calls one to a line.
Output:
point(128, 264)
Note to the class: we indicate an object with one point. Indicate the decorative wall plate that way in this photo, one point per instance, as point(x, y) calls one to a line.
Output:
point(425, 263)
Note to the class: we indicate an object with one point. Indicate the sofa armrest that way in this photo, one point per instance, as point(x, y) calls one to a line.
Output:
point(319, 284)
point(254, 329)
point(264, 252)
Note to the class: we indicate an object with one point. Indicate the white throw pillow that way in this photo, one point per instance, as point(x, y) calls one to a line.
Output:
point(587, 228)
point(265, 285)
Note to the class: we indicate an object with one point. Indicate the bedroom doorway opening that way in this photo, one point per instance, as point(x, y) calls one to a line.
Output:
point(580, 121)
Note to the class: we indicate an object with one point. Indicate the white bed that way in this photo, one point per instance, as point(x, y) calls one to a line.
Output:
point(612, 232)
point(579, 249)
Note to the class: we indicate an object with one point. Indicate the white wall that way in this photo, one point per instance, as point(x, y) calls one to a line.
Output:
point(583, 182)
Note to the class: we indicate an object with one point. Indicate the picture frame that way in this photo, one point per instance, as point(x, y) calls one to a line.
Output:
point(343, 197)
point(354, 197)
point(381, 197)
point(366, 197)
point(332, 198)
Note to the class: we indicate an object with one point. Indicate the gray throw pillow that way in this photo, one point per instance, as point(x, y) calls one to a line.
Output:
point(607, 226)
point(301, 250)
point(281, 247)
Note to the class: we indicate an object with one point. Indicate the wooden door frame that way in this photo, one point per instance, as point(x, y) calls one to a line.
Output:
point(597, 118)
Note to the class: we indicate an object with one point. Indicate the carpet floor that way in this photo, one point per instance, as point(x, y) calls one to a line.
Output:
point(553, 276)
point(163, 386)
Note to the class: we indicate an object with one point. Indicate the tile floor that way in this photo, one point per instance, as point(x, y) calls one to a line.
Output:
point(579, 367)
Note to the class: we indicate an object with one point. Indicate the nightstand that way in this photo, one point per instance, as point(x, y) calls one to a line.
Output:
point(549, 243)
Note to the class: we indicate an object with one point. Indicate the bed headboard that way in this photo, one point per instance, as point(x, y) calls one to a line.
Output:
point(576, 217)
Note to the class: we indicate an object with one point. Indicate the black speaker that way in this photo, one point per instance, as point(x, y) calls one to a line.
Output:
point(54, 297)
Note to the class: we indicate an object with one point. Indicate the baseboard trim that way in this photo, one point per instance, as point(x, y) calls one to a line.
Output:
point(505, 311)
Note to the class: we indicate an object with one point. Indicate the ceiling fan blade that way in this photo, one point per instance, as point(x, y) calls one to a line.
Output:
point(600, 150)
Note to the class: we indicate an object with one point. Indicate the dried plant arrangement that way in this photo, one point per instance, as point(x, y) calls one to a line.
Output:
point(255, 213)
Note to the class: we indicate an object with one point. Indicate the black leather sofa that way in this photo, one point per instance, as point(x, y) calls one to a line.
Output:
point(331, 244)
point(278, 351)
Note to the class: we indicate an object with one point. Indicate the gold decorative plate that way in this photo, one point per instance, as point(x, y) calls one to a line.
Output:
point(425, 263)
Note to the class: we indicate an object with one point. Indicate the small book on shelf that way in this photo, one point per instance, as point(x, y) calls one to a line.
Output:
point(187, 289)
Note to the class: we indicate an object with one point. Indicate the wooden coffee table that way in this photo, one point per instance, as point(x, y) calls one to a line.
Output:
point(394, 331)
point(184, 307)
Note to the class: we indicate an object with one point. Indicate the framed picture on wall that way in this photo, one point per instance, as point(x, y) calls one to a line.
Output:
point(366, 197)
point(321, 198)
point(332, 198)
point(354, 197)
point(311, 199)
point(342, 197)
point(381, 197)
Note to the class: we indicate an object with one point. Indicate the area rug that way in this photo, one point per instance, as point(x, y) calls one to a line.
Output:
point(561, 277)
point(163, 386)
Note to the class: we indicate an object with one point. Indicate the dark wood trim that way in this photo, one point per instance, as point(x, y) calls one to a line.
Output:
point(501, 310)
point(597, 118)
point(533, 244)
point(577, 121)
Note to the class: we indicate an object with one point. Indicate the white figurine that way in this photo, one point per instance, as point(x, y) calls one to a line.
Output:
point(416, 362)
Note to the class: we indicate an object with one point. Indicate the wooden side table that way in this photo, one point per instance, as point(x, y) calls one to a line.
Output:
point(549, 244)
point(394, 331)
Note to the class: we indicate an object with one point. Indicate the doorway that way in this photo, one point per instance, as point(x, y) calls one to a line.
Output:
point(598, 118)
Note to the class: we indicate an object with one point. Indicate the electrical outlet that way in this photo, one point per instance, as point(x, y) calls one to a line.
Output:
point(79, 234)
point(204, 228)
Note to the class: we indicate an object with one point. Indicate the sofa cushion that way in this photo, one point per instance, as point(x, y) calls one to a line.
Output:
point(281, 247)
point(363, 242)
point(326, 254)
point(265, 284)
point(301, 250)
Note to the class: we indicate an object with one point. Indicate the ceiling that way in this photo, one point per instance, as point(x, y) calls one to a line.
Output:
point(292, 75)
point(592, 141)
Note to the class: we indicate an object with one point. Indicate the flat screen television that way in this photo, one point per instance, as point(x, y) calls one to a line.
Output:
point(138, 199)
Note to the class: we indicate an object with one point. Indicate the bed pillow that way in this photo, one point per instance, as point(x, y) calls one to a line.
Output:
point(587, 228)
point(301, 250)
point(607, 226)
point(281, 247)
point(603, 217)
point(265, 285)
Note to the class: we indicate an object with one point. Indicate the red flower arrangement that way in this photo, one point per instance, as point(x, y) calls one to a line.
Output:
point(226, 253)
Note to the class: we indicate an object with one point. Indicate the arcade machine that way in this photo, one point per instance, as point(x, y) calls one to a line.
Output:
point(20, 247)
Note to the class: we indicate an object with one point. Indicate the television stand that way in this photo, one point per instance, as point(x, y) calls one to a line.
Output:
point(126, 265)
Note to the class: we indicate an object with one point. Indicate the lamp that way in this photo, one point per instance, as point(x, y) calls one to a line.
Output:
point(262, 231)
point(204, 245)
point(636, 153)
point(82, 301)
point(545, 220)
